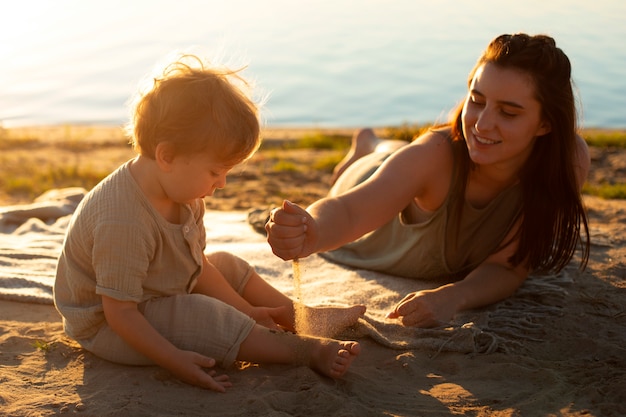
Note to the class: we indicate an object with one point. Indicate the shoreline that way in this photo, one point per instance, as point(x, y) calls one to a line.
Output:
point(104, 132)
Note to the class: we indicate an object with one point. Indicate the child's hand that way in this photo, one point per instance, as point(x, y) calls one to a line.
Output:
point(190, 367)
point(266, 316)
point(291, 232)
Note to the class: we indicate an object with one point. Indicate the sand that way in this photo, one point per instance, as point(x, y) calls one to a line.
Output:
point(574, 364)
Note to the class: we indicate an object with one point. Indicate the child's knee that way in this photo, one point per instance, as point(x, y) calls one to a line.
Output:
point(236, 270)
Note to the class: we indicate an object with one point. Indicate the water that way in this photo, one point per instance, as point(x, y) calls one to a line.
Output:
point(319, 63)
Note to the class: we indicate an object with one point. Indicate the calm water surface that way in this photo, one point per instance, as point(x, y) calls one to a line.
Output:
point(318, 63)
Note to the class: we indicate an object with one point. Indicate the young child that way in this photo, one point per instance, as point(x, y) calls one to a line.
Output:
point(133, 283)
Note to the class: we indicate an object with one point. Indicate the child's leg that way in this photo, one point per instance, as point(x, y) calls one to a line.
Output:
point(320, 321)
point(327, 356)
point(317, 321)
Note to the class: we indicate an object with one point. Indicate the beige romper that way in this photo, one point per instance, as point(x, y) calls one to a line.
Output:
point(428, 249)
point(118, 245)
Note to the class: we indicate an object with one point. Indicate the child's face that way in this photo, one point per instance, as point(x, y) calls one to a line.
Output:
point(195, 176)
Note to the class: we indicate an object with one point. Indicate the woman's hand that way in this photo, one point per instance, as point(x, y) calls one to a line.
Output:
point(492, 281)
point(191, 367)
point(291, 232)
point(428, 308)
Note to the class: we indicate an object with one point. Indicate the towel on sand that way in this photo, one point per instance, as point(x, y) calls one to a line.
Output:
point(31, 238)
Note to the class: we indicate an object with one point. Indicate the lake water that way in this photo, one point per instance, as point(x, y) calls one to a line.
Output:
point(323, 63)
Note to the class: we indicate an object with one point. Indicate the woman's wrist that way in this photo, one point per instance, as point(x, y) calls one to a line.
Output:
point(455, 295)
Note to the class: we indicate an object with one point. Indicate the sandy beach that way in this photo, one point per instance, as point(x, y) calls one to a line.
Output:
point(568, 361)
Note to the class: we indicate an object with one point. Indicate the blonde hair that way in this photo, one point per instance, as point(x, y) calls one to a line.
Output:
point(196, 108)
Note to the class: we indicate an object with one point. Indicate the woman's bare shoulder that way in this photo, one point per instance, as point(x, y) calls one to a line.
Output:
point(425, 166)
point(434, 143)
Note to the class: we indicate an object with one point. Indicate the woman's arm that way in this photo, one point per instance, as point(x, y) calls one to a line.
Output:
point(419, 171)
point(125, 319)
point(495, 279)
point(492, 281)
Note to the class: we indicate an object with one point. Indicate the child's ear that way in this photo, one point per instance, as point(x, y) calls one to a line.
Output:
point(164, 156)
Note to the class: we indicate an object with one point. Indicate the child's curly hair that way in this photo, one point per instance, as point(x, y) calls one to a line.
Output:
point(196, 108)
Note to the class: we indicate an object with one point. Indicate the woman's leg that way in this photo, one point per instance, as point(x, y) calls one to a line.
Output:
point(364, 142)
point(327, 356)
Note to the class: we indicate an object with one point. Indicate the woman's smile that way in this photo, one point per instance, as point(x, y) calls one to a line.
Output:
point(483, 140)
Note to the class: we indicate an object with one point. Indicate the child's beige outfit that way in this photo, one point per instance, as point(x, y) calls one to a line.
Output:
point(118, 245)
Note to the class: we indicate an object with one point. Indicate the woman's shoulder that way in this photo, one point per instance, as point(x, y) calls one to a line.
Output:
point(442, 130)
point(426, 166)
point(433, 143)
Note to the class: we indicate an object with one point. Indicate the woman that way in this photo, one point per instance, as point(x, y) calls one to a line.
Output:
point(479, 203)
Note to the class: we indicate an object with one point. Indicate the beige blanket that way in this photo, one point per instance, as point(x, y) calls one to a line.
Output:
point(31, 237)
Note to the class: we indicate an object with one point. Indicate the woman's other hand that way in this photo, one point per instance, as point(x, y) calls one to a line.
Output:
point(428, 308)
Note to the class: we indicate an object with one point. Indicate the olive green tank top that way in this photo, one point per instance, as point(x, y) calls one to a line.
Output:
point(439, 245)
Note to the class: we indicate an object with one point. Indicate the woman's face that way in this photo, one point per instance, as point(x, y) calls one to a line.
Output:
point(501, 117)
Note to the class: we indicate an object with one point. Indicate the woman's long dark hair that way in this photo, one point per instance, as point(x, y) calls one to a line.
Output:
point(552, 211)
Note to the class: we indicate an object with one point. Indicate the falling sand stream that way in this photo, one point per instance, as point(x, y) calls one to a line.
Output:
point(298, 305)
point(322, 321)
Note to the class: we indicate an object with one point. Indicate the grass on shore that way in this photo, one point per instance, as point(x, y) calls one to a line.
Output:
point(32, 163)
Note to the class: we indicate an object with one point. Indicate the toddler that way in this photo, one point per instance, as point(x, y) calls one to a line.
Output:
point(133, 283)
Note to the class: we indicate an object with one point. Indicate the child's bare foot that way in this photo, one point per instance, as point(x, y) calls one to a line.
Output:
point(364, 142)
point(325, 321)
point(333, 358)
